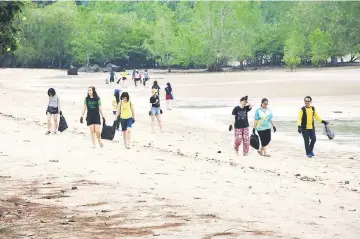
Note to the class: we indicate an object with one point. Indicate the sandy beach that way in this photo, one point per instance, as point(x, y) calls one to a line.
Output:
point(187, 182)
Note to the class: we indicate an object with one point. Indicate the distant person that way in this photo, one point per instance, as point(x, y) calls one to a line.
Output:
point(112, 76)
point(156, 87)
point(146, 77)
point(241, 125)
point(306, 125)
point(124, 79)
point(133, 74)
point(155, 110)
point(115, 104)
point(52, 110)
point(127, 117)
point(137, 78)
point(168, 95)
point(263, 119)
point(92, 104)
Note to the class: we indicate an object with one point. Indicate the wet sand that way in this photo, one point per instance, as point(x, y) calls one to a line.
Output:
point(186, 182)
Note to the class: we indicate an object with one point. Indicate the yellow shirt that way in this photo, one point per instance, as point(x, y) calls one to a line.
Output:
point(310, 115)
point(125, 110)
point(114, 104)
point(123, 74)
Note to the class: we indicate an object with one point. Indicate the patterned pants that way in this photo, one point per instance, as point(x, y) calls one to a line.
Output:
point(242, 135)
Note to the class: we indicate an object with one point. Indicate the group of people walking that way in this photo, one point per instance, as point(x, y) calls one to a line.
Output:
point(124, 113)
point(263, 124)
point(122, 108)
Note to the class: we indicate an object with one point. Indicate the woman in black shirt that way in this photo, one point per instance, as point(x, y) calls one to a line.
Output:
point(155, 110)
point(92, 104)
point(241, 125)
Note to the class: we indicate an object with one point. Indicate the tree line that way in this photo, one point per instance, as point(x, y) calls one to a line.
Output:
point(185, 34)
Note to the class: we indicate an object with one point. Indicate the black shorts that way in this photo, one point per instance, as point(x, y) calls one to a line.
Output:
point(265, 137)
point(137, 79)
point(93, 119)
point(146, 79)
point(124, 78)
point(112, 79)
point(52, 110)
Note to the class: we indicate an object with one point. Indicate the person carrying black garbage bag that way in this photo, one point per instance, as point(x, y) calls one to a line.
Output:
point(306, 125)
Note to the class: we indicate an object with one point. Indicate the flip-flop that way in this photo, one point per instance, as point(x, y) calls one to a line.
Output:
point(260, 153)
point(267, 155)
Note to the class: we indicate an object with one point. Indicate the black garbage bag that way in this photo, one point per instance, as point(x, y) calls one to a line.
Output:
point(328, 132)
point(62, 124)
point(108, 132)
point(254, 141)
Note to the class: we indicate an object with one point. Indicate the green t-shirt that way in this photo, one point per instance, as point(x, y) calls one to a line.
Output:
point(92, 103)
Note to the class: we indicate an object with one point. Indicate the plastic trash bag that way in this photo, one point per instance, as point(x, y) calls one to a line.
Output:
point(108, 132)
point(62, 124)
point(328, 132)
point(254, 141)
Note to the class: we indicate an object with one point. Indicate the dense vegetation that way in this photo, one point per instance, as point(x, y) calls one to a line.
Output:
point(186, 34)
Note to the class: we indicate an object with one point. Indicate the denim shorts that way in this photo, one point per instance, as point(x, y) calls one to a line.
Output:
point(155, 110)
point(126, 123)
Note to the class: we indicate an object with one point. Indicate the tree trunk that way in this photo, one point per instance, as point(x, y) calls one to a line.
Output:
point(353, 58)
point(242, 65)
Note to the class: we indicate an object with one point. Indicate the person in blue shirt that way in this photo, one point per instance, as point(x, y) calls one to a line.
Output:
point(262, 124)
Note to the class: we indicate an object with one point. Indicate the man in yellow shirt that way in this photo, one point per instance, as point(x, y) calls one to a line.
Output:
point(306, 125)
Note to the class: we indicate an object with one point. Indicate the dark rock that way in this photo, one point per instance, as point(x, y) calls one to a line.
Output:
point(110, 66)
point(83, 69)
point(72, 71)
point(95, 68)
point(219, 152)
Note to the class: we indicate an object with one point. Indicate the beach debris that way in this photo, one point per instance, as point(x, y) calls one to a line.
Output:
point(27, 141)
point(250, 187)
point(251, 167)
point(105, 211)
point(156, 234)
point(197, 198)
point(54, 161)
point(307, 179)
point(347, 182)
point(337, 112)
point(297, 175)
point(74, 188)
point(351, 158)
point(321, 217)
point(41, 221)
point(352, 210)
point(219, 152)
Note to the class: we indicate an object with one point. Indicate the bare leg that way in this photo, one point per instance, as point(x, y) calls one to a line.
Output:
point(92, 133)
point(48, 115)
point(170, 104)
point(97, 132)
point(128, 136)
point(167, 104)
point(125, 137)
point(55, 117)
point(152, 122)
point(158, 117)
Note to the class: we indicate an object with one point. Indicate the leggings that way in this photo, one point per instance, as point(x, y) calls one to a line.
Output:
point(242, 135)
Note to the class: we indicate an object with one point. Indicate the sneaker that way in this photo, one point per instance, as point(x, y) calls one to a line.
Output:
point(309, 155)
point(312, 154)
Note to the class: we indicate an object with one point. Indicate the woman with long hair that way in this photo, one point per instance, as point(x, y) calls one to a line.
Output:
point(155, 110)
point(92, 104)
point(156, 87)
point(115, 104)
point(53, 109)
point(168, 95)
point(263, 120)
point(127, 117)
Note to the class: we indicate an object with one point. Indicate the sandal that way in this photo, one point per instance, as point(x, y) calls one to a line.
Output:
point(267, 155)
point(259, 152)
point(47, 133)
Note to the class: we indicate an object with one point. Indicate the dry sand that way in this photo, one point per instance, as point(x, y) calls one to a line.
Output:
point(177, 184)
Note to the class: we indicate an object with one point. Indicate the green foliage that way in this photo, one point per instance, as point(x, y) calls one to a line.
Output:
point(182, 33)
point(294, 48)
point(320, 46)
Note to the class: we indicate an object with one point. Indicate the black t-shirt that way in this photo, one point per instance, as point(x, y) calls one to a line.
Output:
point(156, 87)
point(155, 101)
point(241, 117)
